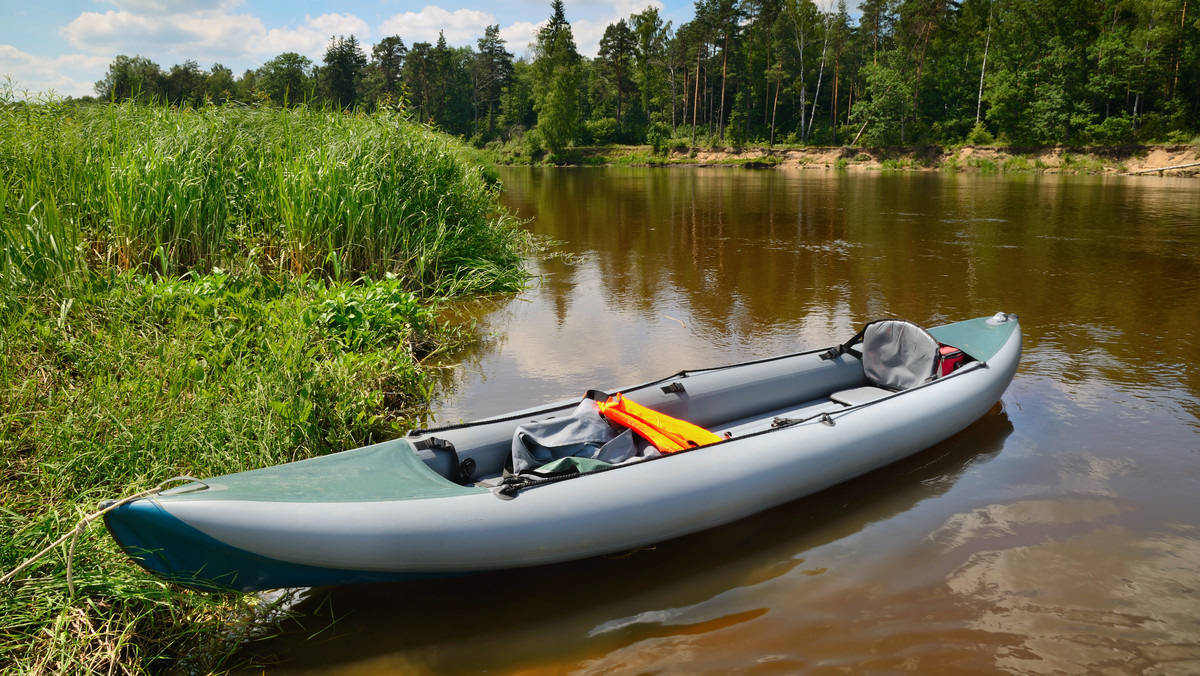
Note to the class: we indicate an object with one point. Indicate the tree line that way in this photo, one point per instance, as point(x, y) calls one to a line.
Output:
point(761, 72)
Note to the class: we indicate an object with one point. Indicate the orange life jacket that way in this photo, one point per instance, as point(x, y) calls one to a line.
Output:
point(666, 433)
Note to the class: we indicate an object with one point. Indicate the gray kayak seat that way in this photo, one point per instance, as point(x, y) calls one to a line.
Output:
point(896, 355)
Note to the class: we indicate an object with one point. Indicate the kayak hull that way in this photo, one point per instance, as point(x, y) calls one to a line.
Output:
point(295, 525)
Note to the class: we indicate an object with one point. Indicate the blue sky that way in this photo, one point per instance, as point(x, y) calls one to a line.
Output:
point(65, 46)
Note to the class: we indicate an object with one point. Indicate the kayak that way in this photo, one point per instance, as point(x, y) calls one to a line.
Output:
point(473, 497)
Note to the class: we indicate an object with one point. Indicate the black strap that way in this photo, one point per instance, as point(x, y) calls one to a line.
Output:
point(846, 347)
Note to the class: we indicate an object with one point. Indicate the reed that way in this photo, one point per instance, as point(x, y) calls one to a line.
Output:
point(151, 188)
point(203, 292)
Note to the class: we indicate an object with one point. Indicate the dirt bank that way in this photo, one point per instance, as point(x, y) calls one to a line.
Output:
point(1051, 160)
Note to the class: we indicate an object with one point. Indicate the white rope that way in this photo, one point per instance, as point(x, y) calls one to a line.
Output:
point(75, 532)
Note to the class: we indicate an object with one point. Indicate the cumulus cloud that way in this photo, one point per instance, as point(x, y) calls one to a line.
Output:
point(205, 35)
point(461, 27)
point(212, 34)
point(518, 35)
point(232, 32)
point(310, 37)
point(67, 75)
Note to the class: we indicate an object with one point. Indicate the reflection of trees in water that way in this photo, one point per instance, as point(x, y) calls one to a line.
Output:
point(484, 316)
point(745, 251)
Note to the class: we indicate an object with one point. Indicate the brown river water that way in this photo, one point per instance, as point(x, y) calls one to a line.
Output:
point(1060, 534)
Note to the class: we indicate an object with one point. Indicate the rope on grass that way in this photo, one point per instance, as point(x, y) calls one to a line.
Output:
point(75, 532)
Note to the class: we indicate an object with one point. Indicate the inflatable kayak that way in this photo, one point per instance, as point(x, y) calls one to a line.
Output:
point(580, 477)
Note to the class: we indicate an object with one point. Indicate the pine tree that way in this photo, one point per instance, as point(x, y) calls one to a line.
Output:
point(616, 53)
point(492, 71)
point(557, 78)
point(383, 77)
point(343, 71)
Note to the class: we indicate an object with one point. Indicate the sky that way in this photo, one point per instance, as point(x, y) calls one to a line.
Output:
point(65, 46)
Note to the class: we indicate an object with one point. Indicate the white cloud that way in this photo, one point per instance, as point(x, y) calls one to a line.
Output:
point(202, 35)
point(461, 27)
point(310, 37)
point(206, 35)
point(519, 35)
point(67, 75)
point(588, 34)
point(229, 31)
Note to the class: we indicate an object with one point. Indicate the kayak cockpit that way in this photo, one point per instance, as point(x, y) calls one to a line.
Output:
point(886, 358)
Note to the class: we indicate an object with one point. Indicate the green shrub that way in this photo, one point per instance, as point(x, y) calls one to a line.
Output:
point(980, 136)
point(983, 165)
point(600, 132)
point(658, 137)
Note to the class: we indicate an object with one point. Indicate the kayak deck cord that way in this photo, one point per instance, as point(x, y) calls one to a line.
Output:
point(73, 534)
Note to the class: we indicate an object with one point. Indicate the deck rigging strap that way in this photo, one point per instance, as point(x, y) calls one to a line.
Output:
point(825, 419)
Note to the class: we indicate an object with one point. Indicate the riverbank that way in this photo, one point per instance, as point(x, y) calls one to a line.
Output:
point(200, 292)
point(1060, 159)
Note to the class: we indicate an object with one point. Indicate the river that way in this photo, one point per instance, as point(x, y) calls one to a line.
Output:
point(1059, 534)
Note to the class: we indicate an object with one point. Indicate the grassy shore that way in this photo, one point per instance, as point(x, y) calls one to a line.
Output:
point(201, 292)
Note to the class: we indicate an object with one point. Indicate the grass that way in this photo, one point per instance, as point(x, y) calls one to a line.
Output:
point(173, 190)
point(1082, 164)
point(1018, 164)
point(202, 292)
point(983, 165)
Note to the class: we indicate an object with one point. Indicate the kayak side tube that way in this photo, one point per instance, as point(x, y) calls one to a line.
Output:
point(310, 533)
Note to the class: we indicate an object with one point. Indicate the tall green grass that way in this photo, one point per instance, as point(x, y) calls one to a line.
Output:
point(202, 292)
point(173, 190)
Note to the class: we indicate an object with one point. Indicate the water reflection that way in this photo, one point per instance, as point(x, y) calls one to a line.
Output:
point(1055, 535)
point(690, 268)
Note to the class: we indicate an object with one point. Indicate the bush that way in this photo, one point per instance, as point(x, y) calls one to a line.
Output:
point(532, 143)
point(658, 136)
point(600, 132)
point(980, 136)
point(1111, 130)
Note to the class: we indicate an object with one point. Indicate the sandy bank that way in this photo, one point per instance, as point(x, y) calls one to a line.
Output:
point(1059, 159)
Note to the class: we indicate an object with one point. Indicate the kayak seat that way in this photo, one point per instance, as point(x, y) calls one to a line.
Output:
point(860, 395)
point(898, 354)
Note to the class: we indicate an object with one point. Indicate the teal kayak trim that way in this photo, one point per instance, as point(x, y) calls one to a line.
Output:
point(177, 552)
point(387, 471)
point(976, 337)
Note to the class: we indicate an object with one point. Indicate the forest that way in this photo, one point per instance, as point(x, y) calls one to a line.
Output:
point(760, 72)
